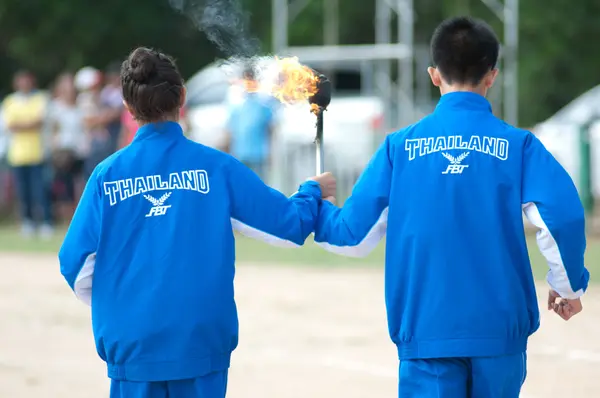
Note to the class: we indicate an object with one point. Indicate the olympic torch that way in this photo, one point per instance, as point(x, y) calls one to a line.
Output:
point(294, 83)
point(319, 103)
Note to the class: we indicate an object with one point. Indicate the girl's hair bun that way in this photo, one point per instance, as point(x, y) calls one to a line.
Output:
point(143, 65)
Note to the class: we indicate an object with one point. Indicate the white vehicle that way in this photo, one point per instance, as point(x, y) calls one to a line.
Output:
point(560, 134)
point(352, 128)
point(206, 107)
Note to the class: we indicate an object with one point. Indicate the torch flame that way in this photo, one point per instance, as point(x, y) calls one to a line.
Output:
point(295, 82)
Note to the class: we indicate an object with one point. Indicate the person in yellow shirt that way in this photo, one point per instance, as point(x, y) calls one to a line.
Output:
point(24, 112)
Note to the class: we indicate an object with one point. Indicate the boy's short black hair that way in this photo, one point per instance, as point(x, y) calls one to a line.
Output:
point(464, 50)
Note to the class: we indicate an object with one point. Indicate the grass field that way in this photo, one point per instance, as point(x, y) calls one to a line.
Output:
point(249, 250)
point(311, 324)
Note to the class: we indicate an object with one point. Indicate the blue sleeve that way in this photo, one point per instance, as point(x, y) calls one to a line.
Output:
point(551, 202)
point(77, 255)
point(355, 229)
point(263, 213)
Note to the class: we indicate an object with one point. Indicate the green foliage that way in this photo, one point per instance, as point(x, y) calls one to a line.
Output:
point(51, 36)
point(557, 59)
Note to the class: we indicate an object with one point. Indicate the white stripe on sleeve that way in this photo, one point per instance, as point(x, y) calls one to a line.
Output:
point(365, 246)
point(557, 276)
point(83, 283)
point(254, 233)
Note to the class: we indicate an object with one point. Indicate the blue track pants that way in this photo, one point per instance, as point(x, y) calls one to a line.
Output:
point(213, 385)
point(493, 377)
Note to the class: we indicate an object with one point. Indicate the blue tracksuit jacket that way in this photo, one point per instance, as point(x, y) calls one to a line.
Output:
point(151, 248)
point(450, 192)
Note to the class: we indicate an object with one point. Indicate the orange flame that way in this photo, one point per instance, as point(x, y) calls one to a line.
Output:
point(296, 83)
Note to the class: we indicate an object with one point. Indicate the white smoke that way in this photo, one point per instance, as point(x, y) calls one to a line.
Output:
point(224, 22)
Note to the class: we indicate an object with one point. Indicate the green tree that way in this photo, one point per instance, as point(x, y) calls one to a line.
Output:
point(557, 61)
point(50, 36)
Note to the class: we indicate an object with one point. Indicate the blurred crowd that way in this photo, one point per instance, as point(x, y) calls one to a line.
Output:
point(53, 139)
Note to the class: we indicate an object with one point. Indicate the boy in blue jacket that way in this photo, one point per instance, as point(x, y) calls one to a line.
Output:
point(450, 192)
point(151, 245)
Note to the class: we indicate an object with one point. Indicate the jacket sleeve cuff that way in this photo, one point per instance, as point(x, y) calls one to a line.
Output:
point(311, 188)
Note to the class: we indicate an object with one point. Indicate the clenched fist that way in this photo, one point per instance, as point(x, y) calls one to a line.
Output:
point(327, 183)
point(565, 308)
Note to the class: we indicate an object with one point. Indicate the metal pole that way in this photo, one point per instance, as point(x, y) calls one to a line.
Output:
point(585, 184)
point(320, 150)
point(280, 168)
point(280, 25)
point(332, 24)
point(383, 35)
point(508, 13)
point(511, 40)
point(330, 30)
point(405, 66)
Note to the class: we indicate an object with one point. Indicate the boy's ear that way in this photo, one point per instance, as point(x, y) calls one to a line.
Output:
point(490, 78)
point(436, 77)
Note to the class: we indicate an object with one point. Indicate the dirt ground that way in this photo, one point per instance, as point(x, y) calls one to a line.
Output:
point(305, 332)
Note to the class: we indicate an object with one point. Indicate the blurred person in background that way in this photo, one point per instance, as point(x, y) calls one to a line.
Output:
point(5, 174)
point(88, 82)
point(23, 113)
point(128, 128)
point(111, 103)
point(68, 144)
point(3, 137)
point(250, 128)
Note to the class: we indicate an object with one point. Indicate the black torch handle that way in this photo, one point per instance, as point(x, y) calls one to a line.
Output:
point(319, 143)
point(321, 100)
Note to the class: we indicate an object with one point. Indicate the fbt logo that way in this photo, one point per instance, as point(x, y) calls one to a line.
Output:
point(455, 167)
point(158, 205)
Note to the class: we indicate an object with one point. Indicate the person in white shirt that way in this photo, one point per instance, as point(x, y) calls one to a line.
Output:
point(88, 82)
point(68, 143)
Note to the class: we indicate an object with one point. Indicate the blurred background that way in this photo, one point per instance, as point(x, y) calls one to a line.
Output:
point(375, 52)
point(62, 114)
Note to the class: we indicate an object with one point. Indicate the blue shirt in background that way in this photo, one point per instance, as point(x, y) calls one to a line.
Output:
point(249, 124)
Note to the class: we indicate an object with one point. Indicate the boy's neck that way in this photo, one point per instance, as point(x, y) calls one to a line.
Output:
point(170, 118)
point(457, 88)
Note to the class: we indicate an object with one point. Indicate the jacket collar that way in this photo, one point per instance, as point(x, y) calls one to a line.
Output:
point(464, 100)
point(165, 129)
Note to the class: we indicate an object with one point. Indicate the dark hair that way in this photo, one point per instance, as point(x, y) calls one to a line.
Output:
point(58, 79)
point(249, 72)
point(24, 73)
point(152, 85)
point(464, 50)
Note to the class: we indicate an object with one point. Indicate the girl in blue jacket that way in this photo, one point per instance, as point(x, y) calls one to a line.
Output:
point(151, 246)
